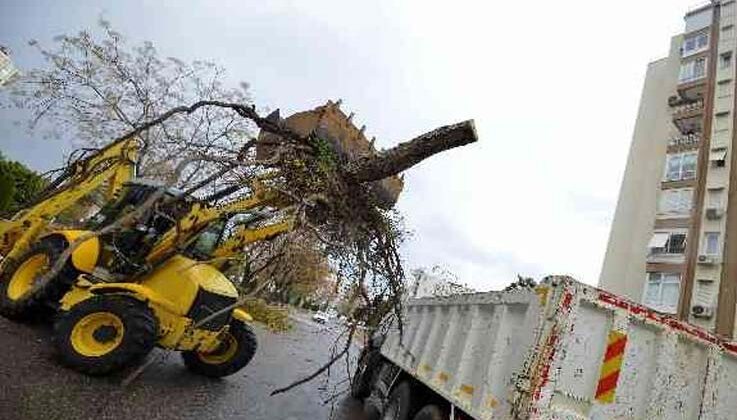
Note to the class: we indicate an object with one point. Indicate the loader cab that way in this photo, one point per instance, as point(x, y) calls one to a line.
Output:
point(125, 249)
point(204, 245)
point(134, 194)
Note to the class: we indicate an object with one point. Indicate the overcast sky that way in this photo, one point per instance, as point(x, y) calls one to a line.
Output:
point(553, 87)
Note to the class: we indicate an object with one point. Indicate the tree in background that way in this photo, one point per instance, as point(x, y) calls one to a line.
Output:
point(435, 281)
point(295, 269)
point(18, 184)
point(96, 88)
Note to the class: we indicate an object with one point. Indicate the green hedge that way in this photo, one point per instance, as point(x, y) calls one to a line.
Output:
point(276, 318)
point(18, 185)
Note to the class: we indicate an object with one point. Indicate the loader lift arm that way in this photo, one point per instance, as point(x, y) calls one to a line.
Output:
point(111, 167)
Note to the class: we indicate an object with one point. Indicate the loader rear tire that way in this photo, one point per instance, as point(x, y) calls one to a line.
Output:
point(20, 275)
point(104, 334)
point(234, 354)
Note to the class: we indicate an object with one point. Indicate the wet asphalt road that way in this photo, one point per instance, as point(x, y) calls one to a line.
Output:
point(34, 386)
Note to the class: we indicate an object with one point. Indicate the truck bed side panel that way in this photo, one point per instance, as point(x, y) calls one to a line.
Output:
point(469, 348)
point(619, 360)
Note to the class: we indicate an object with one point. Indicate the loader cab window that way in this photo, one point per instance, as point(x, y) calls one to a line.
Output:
point(214, 235)
point(206, 242)
point(160, 218)
point(234, 223)
point(129, 197)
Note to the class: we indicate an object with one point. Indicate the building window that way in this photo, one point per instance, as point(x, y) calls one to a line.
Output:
point(725, 60)
point(715, 197)
point(661, 291)
point(721, 121)
point(676, 201)
point(695, 44)
point(727, 10)
point(718, 156)
point(724, 88)
point(693, 70)
point(681, 166)
point(711, 243)
point(727, 32)
point(668, 243)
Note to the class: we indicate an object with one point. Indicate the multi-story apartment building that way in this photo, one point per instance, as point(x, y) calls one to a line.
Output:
point(8, 71)
point(673, 243)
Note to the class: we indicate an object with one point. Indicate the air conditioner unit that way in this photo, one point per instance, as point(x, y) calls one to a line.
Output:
point(707, 259)
point(702, 311)
point(714, 212)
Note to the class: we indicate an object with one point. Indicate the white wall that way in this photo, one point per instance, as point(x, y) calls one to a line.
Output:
point(623, 271)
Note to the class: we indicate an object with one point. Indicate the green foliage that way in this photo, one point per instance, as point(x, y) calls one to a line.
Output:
point(276, 318)
point(18, 185)
point(325, 154)
point(7, 192)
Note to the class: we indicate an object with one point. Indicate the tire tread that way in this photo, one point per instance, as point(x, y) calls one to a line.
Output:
point(141, 333)
point(247, 345)
point(46, 297)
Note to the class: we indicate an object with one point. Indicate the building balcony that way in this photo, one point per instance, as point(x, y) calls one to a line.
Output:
point(685, 106)
point(692, 89)
point(666, 258)
point(685, 141)
point(687, 114)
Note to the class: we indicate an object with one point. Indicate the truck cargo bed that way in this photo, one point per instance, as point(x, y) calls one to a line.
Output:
point(564, 351)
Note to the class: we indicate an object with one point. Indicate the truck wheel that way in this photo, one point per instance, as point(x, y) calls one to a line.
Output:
point(431, 412)
point(104, 334)
point(20, 277)
point(348, 409)
point(363, 378)
point(233, 354)
point(399, 404)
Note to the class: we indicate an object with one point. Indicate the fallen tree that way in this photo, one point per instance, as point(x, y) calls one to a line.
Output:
point(341, 195)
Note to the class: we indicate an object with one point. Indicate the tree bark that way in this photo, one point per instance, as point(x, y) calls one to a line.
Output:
point(405, 155)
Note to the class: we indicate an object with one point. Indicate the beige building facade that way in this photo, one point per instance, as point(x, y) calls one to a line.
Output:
point(8, 72)
point(673, 242)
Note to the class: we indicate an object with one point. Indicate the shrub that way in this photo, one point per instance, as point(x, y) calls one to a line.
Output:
point(276, 318)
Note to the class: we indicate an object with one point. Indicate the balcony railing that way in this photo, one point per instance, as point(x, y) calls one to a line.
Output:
point(698, 6)
point(688, 108)
point(685, 140)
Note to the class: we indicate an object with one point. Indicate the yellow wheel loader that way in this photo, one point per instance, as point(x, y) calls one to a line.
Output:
point(156, 281)
point(115, 302)
point(126, 291)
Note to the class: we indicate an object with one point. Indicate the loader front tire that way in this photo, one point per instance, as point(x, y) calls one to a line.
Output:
point(236, 351)
point(18, 300)
point(105, 334)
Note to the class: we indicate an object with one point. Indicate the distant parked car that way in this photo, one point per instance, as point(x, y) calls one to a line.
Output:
point(320, 317)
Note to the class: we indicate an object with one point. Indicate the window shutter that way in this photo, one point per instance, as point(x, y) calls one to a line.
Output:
point(658, 240)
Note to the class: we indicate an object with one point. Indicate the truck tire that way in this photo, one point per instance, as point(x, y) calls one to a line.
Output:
point(20, 275)
point(105, 334)
point(233, 355)
point(430, 412)
point(399, 404)
point(363, 378)
point(348, 409)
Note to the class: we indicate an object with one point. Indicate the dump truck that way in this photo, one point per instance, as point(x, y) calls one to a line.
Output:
point(561, 350)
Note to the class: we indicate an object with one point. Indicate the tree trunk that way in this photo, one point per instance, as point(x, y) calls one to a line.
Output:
point(405, 155)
